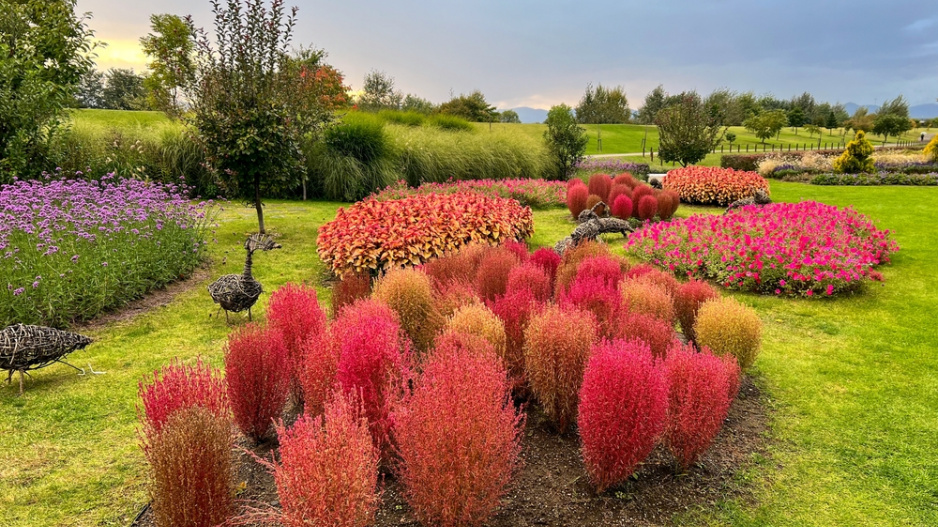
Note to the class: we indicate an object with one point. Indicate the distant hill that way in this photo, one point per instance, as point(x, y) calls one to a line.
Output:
point(530, 115)
point(919, 111)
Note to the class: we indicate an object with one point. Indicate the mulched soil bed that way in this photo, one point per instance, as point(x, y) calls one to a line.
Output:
point(553, 489)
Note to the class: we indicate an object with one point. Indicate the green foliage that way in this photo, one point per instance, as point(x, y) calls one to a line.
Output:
point(44, 51)
point(509, 116)
point(687, 131)
point(730, 136)
point(353, 159)
point(244, 101)
point(413, 103)
point(451, 123)
point(887, 124)
point(565, 140)
point(857, 157)
point(123, 90)
point(796, 117)
point(472, 107)
point(603, 106)
point(171, 48)
point(378, 93)
point(654, 103)
point(766, 124)
point(88, 92)
point(408, 118)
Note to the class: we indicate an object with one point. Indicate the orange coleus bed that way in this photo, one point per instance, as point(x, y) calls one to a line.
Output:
point(372, 235)
point(713, 185)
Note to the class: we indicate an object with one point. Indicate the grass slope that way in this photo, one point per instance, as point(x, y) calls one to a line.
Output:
point(853, 384)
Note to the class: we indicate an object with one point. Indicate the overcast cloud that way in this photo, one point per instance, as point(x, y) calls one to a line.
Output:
point(540, 53)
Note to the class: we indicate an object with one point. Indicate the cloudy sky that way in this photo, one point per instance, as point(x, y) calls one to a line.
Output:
point(540, 53)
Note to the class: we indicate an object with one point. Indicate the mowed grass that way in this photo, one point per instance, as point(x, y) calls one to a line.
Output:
point(851, 384)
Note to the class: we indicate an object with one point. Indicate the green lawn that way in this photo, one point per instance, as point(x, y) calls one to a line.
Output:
point(852, 384)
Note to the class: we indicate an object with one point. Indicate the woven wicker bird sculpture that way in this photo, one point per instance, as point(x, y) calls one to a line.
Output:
point(24, 348)
point(237, 292)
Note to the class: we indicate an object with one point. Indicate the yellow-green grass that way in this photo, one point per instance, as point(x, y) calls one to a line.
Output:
point(851, 384)
point(135, 124)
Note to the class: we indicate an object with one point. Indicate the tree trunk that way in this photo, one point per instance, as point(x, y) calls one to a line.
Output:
point(259, 206)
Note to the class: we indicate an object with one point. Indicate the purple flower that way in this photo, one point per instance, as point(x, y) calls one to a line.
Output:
point(75, 258)
point(18, 291)
point(103, 264)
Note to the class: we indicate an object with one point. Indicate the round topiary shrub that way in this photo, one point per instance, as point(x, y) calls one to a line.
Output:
point(648, 299)
point(600, 185)
point(409, 294)
point(857, 157)
point(592, 201)
point(576, 198)
point(728, 327)
point(647, 208)
point(491, 277)
point(690, 296)
point(622, 207)
point(532, 277)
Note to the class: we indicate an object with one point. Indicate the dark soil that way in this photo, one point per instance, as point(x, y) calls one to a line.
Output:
point(553, 488)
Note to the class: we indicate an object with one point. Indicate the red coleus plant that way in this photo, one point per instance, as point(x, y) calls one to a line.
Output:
point(713, 185)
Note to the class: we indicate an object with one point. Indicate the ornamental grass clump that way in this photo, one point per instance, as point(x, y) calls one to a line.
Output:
point(328, 469)
point(557, 344)
point(476, 319)
point(258, 371)
point(729, 328)
point(458, 439)
point(700, 392)
point(409, 293)
point(690, 296)
point(796, 249)
point(72, 248)
point(623, 410)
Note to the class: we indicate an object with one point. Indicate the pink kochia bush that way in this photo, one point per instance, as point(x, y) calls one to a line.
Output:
point(458, 437)
point(177, 387)
point(577, 194)
point(294, 312)
point(623, 410)
point(328, 469)
point(805, 248)
point(257, 373)
point(373, 353)
point(701, 388)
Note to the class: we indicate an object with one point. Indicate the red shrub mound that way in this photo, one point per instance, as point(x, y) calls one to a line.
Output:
point(625, 178)
point(713, 185)
point(672, 199)
point(548, 260)
point(607, 270)
point(592, 201)
point(648, 299)
point(647, 208)
point(190, 469)
point(515, 310)
point(373, 355)
point(295, 312)
point(491, 278)
point(659, 335)
point(328, 469)
point(519, 249)
point(556, 346)
point(591, 293)
point(257, 371)
point(177, 387)
point(701, 389)
point(572, 257)
point(638, 193)
point(458, 437)
point(646, 274)
point(454, 295)
point(458, 266)
point(600, 185)
point(576, 199)
point(452, 341)
point(352, 287)
point(622, 207)
point(618, 190)
point(623, 410)
point(409, 293)
point(373, 234)
point(318, 371)
point(575, 181)
point(531, 277)
point(690, 296)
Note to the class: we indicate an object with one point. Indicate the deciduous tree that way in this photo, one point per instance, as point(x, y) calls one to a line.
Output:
point(565, 140)
point(171, 49)
point(688, 131)
point(766, 124)
point(472, 107)
point(603, 106)
point(378, 93)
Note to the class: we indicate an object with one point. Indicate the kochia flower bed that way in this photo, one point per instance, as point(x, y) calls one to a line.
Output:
point(713, 185)
point(72, 248)
point(372, 234)
point(532, 192)
point(806, 248)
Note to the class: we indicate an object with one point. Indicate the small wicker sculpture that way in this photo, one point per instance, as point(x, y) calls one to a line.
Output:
point(24, 348)
point(237, 292)
point(759, 197)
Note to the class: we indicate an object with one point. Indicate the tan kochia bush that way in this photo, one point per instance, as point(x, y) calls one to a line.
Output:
point(557, 345)
point(648, 299)
point(409, 293)
point(476, 319)
point(726, 326)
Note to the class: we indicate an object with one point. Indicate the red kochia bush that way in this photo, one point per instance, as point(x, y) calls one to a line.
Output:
point(491, 278)
point(317, 372)
point(556, 346)
point(625, 178)
point(575, 181)
point(658, 334)
point(647, 208)
point(373, 353)
point(257, 372)
point(576, 199)
point(177, 387)
point(605, 269)
point(328, 469)
point(591, 204)
point(295, 312)
point(352, 287)
point(622, 207)
point(638, 193)
point(548, 260)
point(458, 437)
point(701, 389)
point(191, 469)
point(600, 185)
point(623, 410)
point(515, 310)
point(531, 277)
point(590, 293)
point(690, 296)
point(618, 190)
point(519, 249)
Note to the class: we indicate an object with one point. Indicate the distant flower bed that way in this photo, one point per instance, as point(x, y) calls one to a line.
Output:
point(531, 192)
point(614, 166)
point(713, 185)
point(804, 248)
point(880, 178)
point(70, 249)
point(372, 234)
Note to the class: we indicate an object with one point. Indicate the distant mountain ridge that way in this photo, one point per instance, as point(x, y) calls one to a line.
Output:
point(919, 111)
